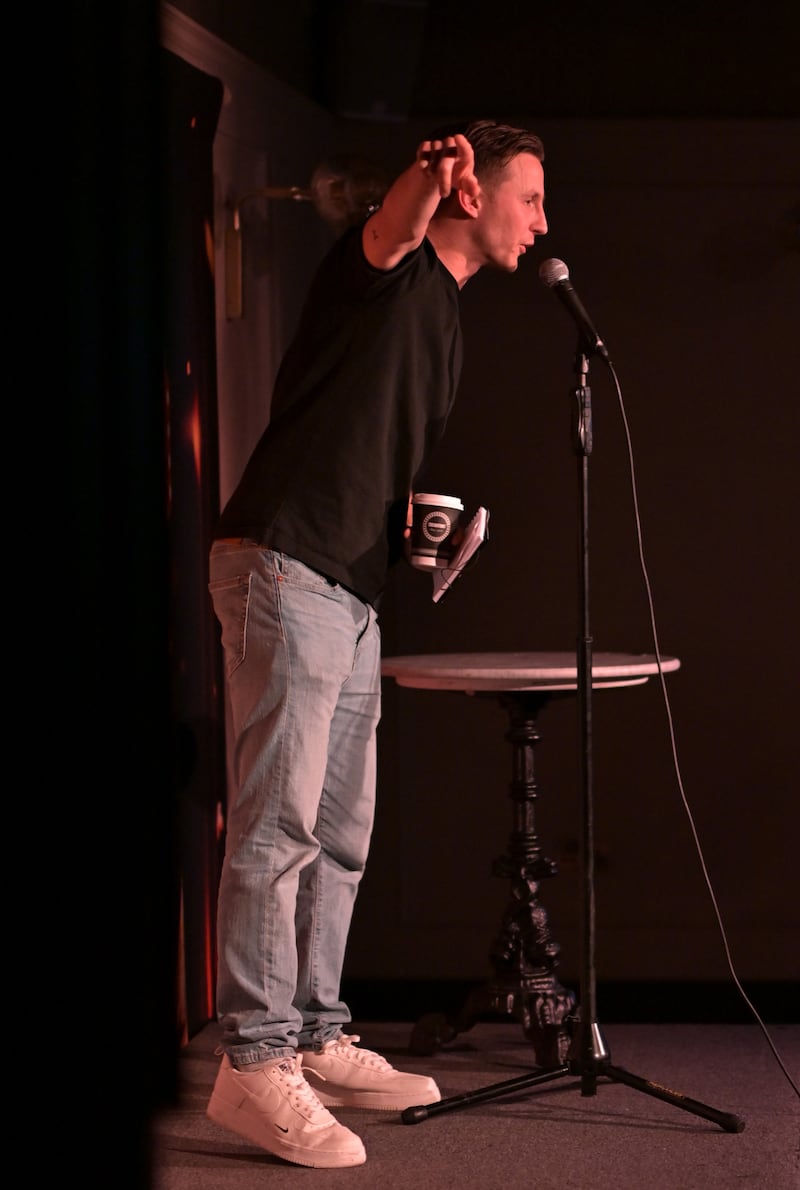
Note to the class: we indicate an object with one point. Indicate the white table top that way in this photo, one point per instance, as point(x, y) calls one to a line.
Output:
point(521, 671)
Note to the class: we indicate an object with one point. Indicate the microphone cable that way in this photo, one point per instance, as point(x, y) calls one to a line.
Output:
point(673, 744)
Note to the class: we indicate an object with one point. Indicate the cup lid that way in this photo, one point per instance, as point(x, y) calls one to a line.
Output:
point(433, 498)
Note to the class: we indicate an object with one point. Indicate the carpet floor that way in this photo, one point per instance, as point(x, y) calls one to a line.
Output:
point(549, 1136)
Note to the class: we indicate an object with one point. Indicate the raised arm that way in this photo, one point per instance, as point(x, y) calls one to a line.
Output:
point(401, 222)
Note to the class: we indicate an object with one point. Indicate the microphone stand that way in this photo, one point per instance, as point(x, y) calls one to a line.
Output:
point(588, 1056)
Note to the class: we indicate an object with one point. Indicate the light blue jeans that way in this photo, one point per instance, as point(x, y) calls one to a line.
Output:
point(302, 666)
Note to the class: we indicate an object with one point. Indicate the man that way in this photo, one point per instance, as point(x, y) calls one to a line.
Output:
point(301, 557)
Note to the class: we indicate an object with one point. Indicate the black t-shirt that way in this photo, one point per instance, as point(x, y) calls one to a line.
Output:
point(361, 399)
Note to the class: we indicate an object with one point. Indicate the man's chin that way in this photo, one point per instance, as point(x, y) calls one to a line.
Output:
point(508, 263)
point(506, 266)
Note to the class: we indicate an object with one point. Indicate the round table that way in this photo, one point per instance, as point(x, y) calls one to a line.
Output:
point(470, 672)
point(524, 956)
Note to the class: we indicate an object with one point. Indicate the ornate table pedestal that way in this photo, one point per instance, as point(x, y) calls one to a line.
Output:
point(523, 955)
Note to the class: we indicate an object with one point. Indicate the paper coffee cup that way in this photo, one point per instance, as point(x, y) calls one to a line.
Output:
point(435, 519)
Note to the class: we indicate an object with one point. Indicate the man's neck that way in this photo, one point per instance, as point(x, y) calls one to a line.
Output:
point(452, 253)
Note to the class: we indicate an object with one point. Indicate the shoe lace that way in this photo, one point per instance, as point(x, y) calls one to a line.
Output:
point(301, 1096)
point(346, 1047)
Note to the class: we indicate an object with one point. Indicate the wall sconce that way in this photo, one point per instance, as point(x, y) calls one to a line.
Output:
point(344, 189)
point(233, 242)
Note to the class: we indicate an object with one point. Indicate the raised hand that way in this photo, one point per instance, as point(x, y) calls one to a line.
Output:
point(451, 162)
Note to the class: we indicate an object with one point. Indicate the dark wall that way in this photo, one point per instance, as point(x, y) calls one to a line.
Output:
point(681, 235)
point(396, 60)
point(689, 264)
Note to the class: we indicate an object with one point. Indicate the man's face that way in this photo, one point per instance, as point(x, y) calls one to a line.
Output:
point(512, 212)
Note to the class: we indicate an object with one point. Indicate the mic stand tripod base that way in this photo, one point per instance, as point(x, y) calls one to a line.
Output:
point(595, 1065)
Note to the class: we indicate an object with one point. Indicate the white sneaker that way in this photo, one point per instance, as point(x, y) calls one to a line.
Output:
point(344, 1076)
point(274, 1107)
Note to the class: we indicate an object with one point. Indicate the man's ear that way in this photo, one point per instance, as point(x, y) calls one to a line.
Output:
point(470, 204)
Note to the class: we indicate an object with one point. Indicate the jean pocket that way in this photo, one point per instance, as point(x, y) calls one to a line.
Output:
point(231, 601)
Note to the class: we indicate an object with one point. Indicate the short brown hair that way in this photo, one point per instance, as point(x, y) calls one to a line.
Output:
point(494, 144)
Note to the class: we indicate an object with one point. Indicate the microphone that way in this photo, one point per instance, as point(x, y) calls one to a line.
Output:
point(555, 275)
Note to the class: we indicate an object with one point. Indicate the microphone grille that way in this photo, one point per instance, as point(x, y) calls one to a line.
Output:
point(552, 271)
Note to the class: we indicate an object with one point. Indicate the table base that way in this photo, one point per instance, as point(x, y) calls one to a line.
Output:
point(523, 955)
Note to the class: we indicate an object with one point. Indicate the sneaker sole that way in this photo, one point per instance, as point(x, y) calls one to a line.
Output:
point(234, 1120)
point(377, 1101)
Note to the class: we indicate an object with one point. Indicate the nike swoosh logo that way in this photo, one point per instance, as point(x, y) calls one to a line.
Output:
point(281, 1128)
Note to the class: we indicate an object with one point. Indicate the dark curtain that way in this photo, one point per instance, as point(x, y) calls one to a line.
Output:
point(108, 832)
point(192, 103)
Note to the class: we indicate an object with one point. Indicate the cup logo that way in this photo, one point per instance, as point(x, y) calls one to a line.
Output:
point(436, 526)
